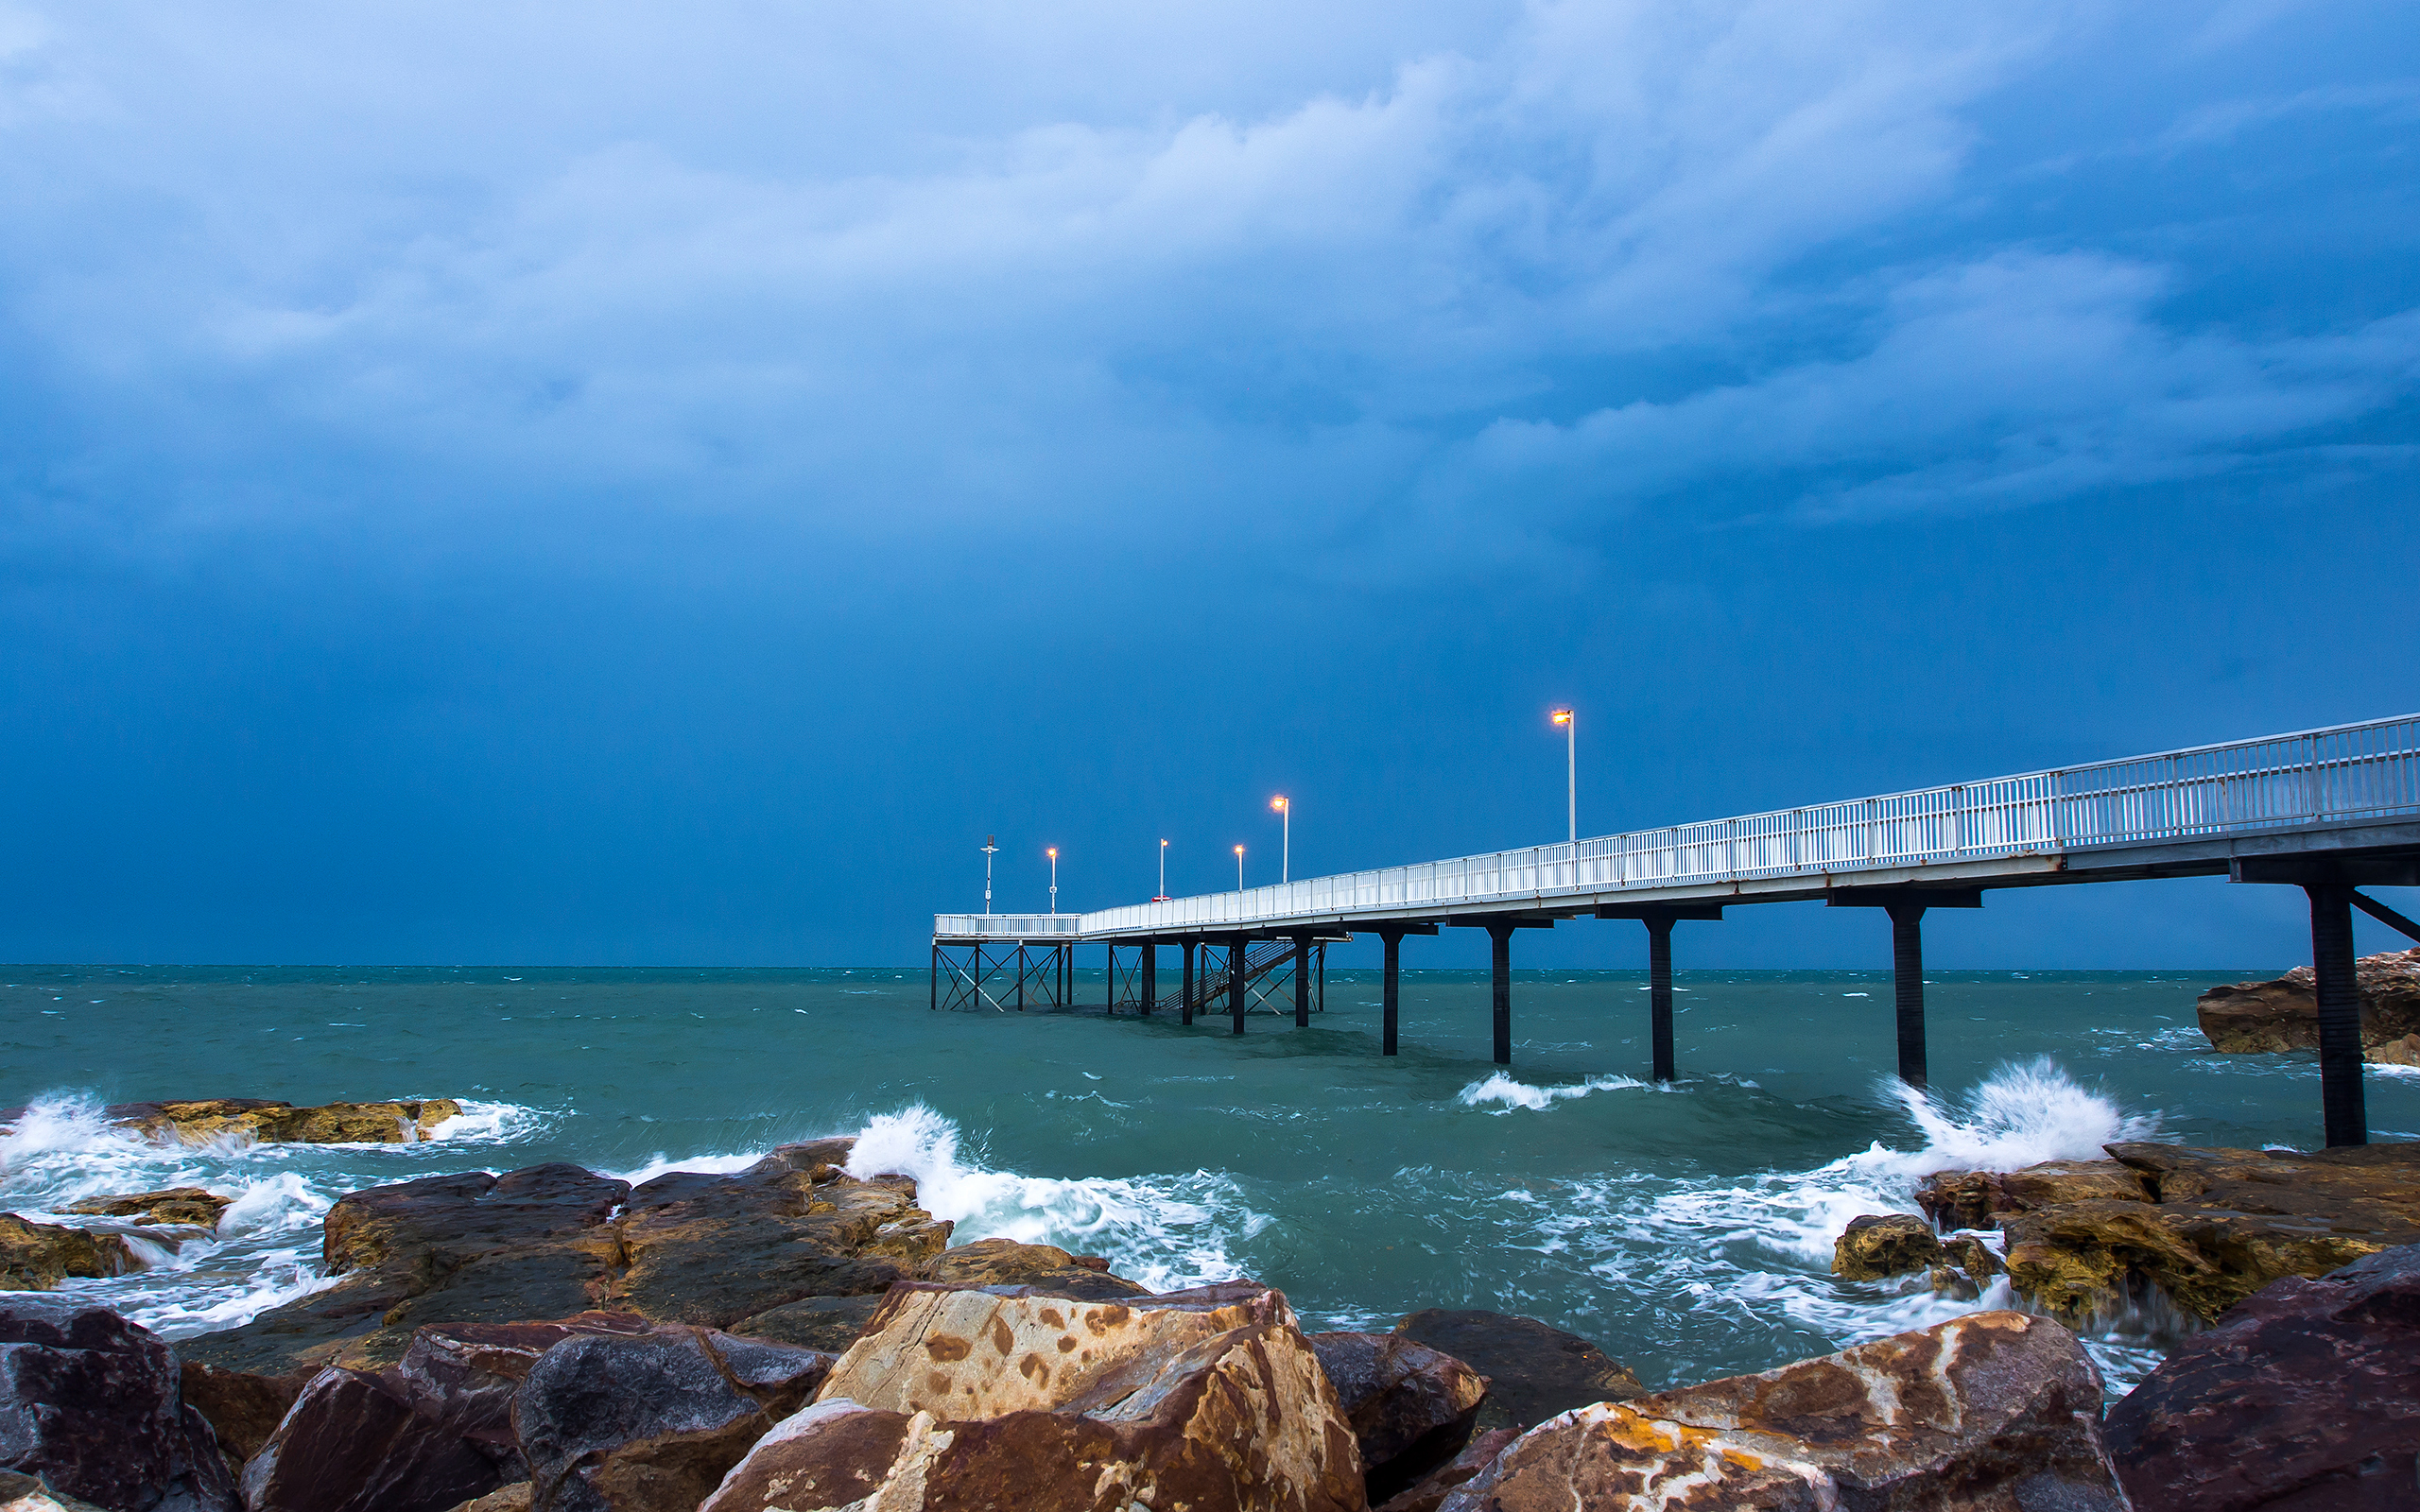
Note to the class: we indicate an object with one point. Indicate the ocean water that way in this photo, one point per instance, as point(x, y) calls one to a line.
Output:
point(1688, 1229)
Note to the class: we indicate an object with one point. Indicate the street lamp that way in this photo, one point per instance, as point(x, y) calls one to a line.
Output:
point(988, 849)
point(1570, 723)
point(1239, 868)
point(1164, 874)
point(1054, 853)
point(1286, 855)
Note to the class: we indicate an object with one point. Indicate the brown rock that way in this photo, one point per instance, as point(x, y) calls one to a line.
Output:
point(2302, 1397)
point(1877, 1246)
point(1411, 1407)
point(827, 1323)
point(1429, 1492)
point(2403, 1051)
point(91, 1405)
point(26, 1493)
point(35, 1257)
point(1533, 1371)
point(2247, 1018)
point(513, 1498)
point(1977, 1199)
point(1992, 1412)
point(242, 1409)
point(269, 1123)
point(177, 1205)
point(1042, 1268)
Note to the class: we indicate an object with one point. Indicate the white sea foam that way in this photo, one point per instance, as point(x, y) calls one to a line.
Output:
point(481, 1122)
point(1166, 1231)
point(662, 1164)
point(1513, 1094)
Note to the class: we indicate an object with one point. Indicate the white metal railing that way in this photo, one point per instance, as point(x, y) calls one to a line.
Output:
point(2342, 774)
point(1006, 926)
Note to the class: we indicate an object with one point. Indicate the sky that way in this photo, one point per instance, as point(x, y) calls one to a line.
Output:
point(636, 485)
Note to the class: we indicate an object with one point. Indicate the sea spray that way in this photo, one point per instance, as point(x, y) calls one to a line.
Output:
point(1511, 1094)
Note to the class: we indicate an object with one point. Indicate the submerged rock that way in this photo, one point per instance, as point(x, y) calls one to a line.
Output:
point(2248, 1018)
point(1533, 1371)
point(1992, 1412)
point(90, 1403)
point(271, 1123)
point(1411, 1407)
point(1888, 1245)
point(1209, 1399)
point(177, 1205)
point(35, 1257)
point(2304, 1396)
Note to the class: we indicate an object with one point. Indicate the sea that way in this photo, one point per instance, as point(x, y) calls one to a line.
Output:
point(1686, 1229)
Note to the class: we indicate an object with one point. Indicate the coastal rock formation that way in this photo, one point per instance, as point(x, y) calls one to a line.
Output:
point(2247, 1018)
point(1994, 1412)
point(1430, 1490)
point(1043, 1268)
point(2206, 1228)
point(1533, 1371)
point(2303, 1395)
point(269, 1123)
point(1890, 1245)
point(1411, 1407)
point(183, 1206)
point(513, 1498)
point(964, 1398)
point(90, 1404)
point(827, 1323)
point(35, 1257)
point(26, 1493)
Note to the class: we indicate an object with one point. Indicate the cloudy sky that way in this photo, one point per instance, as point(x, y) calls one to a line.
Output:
point(624, 484)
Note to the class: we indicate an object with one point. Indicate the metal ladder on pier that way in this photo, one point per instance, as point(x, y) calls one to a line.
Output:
point(1210, 992)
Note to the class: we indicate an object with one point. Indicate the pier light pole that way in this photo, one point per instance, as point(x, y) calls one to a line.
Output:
point(1053, 854)
point(989, 849)
point(1239, 868)
point(1569, 720)
point(1286, 855)
point(1163, 870)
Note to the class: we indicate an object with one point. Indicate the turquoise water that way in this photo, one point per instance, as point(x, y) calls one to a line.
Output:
point(1689, 1230)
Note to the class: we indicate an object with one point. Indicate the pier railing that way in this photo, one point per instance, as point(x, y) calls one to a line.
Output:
point(1006, 926)
point(2347, 772)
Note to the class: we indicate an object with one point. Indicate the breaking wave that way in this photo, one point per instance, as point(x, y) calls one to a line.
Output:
point(1512, 1094)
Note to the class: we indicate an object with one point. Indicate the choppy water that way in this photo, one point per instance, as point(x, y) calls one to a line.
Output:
point(1686, 1229)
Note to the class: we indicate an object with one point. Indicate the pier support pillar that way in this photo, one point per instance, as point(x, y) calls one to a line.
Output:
point(1150, 978)
point(1908, 989)
point(1301, 983)
point(1501, 938)
point(1185, 997)
point(1391, 980)
point(1236, 946)
point(1659, 994)
point(2340, 1013)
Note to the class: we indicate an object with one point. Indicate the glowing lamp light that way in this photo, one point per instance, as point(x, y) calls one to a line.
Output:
point(1563, 716)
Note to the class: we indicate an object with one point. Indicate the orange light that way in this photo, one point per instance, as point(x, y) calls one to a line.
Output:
point(1239, 849)
point(1278, 803)
point(1052, 852)
point(1563, 716)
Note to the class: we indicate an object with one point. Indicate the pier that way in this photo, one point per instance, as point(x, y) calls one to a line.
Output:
point(2327, 811)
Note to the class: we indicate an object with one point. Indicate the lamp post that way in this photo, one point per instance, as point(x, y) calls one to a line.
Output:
point(1163, 869)
point(1570, 723)
point(1054, 853)
point(1285, 856)
point(1239, 868)
point(988, 850)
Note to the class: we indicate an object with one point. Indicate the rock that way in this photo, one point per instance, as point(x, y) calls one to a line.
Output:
point(35, 1257)
point(2403, 1051)
point(513, 1498)
point(90, 1404)
point(1976, 1199)
point(432, 1431)
point(1209, 1399)
point(1430, 1490)
point(1043, 1268)
point(23, 1493)
point(1967, 1265)
point(827, 1323)
point(1411, 1407)
point(269, 1123)
point(1992, 1412)
point(241, 1408)
point(1533, 1371)
point(2303, 1395)
point(2252, 1016)
point(1893, 1244)
point(177, 1205)
point(651, 1423)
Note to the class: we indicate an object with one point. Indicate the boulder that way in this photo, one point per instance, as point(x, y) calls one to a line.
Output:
point(242, 1409)
point(1411, 1407)
point(1888, 1245)
point(177, 1205)
point(1429, 1492)
point(1992, 1412)
point(26, 1493)
point(1533, 1371)
point(827, 1323)
point(650, 1423)
point(1208, 1398)
point(270, 1123)
point(2403, 1051)
point(90, 1404)
point(2302, 1397)
point(1042, 1268)
point(2248, 1018)
point(35, 1257)
point(1977, 1199)
point(513, 1498)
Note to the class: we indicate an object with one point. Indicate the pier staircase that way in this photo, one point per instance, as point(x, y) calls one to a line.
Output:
point(1261, 958)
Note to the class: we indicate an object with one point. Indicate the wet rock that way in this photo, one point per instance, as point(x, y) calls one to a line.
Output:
point(650, 1423)
point(1967, 1265)
point(1992, 1412)
point(90, 1403)
point(26, 1493)
point(177, 1205)
point(271, 1123)
point(2403, 1051)
point(513, 1498)
point(2303, 1395)
point(1429, 1492)
point(242, 1409)
point(2248, 1018)
point(1875, 1247)
point(1533, 1371)
point(827, 1323)
point(1411, 1407)
point(1976, 1199)
point(35, 1257)
point(1043, 1268)
point(1207, 1399)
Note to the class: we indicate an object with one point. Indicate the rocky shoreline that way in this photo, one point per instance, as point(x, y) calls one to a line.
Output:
point(796, 1337)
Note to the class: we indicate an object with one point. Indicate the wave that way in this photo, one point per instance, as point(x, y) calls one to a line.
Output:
point(1512, 1094)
